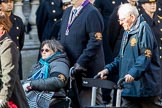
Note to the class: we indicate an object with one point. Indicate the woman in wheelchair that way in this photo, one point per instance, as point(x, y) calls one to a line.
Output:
point(49, 75)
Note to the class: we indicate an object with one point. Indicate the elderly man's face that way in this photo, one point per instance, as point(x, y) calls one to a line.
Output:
point(126, 21)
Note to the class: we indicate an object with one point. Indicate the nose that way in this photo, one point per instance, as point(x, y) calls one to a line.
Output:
point(120, 22)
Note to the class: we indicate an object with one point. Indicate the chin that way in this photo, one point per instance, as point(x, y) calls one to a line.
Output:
point(43, 57)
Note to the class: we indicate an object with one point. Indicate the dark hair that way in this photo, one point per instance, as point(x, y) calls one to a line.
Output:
point(54, 45)
point(5, 21)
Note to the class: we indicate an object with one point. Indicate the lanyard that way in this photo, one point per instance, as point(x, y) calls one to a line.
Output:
point(73, 16)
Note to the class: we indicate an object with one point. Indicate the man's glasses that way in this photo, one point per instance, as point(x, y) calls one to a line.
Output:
point(121, 20)
point(46, 50)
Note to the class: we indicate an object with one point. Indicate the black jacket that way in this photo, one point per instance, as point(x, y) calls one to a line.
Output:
point(58, 65)
point(17, 31)
point(48, 18)
point(156, 25)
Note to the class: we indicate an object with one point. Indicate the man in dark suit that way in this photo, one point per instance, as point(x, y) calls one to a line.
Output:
point(17, 30)
point(81, 36)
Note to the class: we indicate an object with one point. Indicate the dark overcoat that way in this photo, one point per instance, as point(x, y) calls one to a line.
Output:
point(106, 8)
point(82, 45)
point(17, 34)
point(48, 18)
point(17, 31)
point(156, 25)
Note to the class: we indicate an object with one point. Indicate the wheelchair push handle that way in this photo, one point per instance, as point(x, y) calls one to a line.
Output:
point(120, 82)
point(96, 76)
point(71, 71)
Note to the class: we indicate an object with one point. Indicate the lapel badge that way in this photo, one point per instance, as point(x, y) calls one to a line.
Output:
point(98, 36)
point(148, 53)
point(133, 42)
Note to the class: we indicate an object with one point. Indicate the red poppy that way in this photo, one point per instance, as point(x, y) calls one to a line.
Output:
point(11, 104)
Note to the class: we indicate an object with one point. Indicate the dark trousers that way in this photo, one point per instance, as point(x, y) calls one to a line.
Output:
point(143, 102)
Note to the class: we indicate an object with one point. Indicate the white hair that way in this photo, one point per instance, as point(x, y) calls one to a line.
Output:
point(127, 8)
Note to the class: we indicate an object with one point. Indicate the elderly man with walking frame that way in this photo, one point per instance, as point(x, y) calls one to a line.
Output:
point(138, 61)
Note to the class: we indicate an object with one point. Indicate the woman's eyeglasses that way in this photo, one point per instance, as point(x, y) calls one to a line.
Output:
point(46, 50)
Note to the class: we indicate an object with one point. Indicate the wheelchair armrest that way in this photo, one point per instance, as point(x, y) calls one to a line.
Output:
point(59, 95)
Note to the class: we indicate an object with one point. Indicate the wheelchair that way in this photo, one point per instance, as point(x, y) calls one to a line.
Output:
point(60, 102)
point(68, 99)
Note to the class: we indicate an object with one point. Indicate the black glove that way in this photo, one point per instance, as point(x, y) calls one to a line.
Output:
point(78, 69)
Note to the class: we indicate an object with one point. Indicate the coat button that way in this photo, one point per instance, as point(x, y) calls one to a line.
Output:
point(160, 57)
point(55, 19)
point(52, 3)
point(17, 47)
point(17, 37)
point(113, 2)
point(17, 28)
point(160, 48)
point(54, 11)
point(161, 39)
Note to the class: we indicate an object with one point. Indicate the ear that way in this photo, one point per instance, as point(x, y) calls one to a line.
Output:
point(133, 17)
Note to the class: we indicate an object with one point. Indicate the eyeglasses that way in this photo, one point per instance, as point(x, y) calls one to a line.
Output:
point(121, 20)
point(46, 50)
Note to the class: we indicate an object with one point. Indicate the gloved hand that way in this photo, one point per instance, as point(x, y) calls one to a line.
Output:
point(78, 69)
point(27, 86)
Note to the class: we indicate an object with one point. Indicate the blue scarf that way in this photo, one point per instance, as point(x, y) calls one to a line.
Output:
point(43, 71)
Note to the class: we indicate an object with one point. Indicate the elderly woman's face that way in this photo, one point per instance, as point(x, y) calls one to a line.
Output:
point(46, 51)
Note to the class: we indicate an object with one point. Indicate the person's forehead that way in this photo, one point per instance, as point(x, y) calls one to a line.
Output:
point(5, 1)
point(123, 15)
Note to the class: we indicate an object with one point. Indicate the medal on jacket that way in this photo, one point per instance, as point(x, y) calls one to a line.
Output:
point(73, 15)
